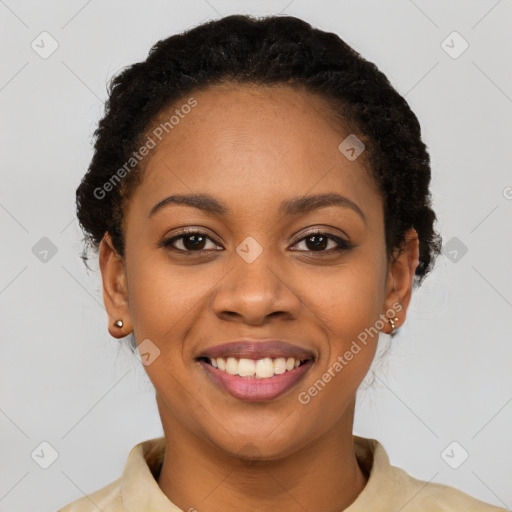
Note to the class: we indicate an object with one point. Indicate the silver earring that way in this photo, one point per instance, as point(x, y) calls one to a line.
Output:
point(119, 323)
point(392, 322)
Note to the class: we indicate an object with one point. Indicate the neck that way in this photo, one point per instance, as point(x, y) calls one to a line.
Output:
point(323, 475)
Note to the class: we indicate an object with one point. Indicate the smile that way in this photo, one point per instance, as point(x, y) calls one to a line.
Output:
point(266, 386)
point(255, 368)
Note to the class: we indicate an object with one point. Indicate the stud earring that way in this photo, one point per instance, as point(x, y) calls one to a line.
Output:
point(119, 323)
point(392, 322)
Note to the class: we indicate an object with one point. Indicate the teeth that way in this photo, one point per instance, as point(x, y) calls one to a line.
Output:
point(264, 368)
point(260, 368)
point(232, 366)
point(246, 367)
point(280, 365)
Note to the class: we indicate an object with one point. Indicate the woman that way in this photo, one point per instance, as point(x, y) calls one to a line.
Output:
point(259, 196)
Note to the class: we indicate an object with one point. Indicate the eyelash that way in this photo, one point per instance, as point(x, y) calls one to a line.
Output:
point(343, 245)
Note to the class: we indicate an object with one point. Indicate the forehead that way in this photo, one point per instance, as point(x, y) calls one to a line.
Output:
point(253, 143)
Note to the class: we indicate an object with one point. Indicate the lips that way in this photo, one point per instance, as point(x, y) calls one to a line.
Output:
point(253, 349)
point(256, 381)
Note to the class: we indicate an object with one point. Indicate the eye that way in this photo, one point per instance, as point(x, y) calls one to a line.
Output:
point(319, 241)
point(189, 241)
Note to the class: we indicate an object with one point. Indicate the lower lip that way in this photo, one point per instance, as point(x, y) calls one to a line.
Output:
point(256, 390)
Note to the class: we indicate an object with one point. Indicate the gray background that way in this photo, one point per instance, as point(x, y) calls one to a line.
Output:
point(65, 381)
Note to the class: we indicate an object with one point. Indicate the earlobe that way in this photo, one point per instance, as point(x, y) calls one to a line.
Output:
point(115, 294)
point(401, 279)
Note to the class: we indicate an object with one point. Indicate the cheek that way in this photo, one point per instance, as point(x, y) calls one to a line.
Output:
point(355, 306)
point(349, 303)
point(162, 297)
point(163, 301)
point(350, 298)
point(167, 306)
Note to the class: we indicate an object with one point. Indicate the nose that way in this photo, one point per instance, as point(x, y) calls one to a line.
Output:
point(251, 293)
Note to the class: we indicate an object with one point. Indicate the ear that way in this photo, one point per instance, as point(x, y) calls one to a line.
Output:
point(115, 292)
point(400, 279)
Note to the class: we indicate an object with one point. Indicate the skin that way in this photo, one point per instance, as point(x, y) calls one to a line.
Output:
point(252, 148)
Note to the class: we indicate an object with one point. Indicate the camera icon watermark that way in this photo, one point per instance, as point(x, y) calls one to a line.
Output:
point(44, 45)
point(454, 249)
point(454, 45)
point(44, 250)
point(351, 147)
point(146, 352)
point(249, 249)
point(44, 455)
point(454, 455)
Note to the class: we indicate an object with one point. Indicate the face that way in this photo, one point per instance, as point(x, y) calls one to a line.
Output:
point(263, 262)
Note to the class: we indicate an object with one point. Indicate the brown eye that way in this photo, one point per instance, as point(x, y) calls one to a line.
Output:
point(319, 242)
point(189, 242)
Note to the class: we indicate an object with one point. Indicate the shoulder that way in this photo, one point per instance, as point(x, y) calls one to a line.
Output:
point(419, 495)
point(107, 499)
point(392, 488)
point(135, 489)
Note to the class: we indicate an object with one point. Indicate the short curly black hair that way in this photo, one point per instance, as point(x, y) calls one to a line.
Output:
point(263, 51)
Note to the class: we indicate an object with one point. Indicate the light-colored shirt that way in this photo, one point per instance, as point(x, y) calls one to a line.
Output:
point(389, 488)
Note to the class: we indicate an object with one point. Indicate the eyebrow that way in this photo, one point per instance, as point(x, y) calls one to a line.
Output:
point(289, 207)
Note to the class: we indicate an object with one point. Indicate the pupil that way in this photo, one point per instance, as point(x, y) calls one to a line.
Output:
point(322, 244)
point(193, 237)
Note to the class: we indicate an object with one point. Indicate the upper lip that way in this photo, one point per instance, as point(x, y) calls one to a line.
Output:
point(258, 349)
